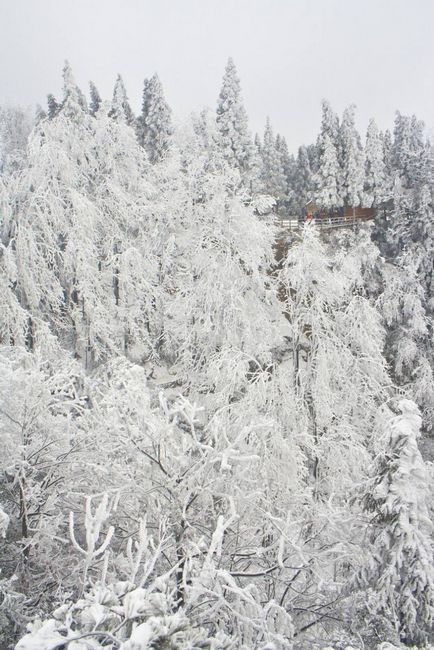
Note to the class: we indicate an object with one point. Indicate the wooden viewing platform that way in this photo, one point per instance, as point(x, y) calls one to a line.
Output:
point(344, 217)
point(323, 223)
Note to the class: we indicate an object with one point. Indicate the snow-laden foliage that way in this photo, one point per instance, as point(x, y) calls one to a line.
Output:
point(197, 443)
point(400, 573)
point(335, 335)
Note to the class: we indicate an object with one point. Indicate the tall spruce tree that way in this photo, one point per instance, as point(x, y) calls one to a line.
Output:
point(273, 181)
point(288, 168)
point(154, 125)
point(71, 91)
point(235, 139)
point(327, 178)
point(376, 189)
point(52, 106)
point(95, 99)
point(301, 182)
point(352, 160)
point(120, 109)
point(330, 127)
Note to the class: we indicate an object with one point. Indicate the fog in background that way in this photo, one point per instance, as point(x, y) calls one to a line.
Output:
point(290, 54)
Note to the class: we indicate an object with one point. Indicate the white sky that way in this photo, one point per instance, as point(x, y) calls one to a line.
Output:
point(290, 54)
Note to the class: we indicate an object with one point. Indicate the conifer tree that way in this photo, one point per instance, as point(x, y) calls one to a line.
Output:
point(327, 178)
point(154, 126)
point(375, 187)
point(95, 99)
point(72, 94)
point(408, 146)
point(387, 155)
point(330, 127)
point(52, 106)
point(141, 128)
point(273, 181)
point(258, 143)
point(232, 123)
point(288, 168)
point(351, 160)
point(121, 110)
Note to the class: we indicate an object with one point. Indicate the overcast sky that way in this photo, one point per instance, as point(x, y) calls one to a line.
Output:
point(290, 54)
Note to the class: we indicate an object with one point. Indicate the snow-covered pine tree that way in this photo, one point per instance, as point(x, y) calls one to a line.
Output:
point(205, 128)
point(387, 155)
point(400, 573)
point(376, 189)
point(352, 160)
point(95, 99)
point(141, 129)
point(327, 178)
point(273, 180)
point(408, 145)
point(120, 109)
point(154, 125)
point(53, 106)
point(330, 127)
point(288, 167)
point(302, 182)
point(258, 142)
point(71, 91)
point(235, 139)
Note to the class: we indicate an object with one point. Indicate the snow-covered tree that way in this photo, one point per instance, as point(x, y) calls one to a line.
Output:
point(273, 180)
point(301, 182)
point(53, 106)
point(72, 94)
point(221, 296)
point(400, 573)
point(38, 401)
point(330, 326)
point(95, 99)
point(327, 179)
point(408, 343)
point(182, 424)
point(329, 127)
point(376, 190)
point(15, 127)
point(235, 139)
point(154, 125)
point(288, 167)
point(387, 155)
point(120, 109)
point(352, 160)
point(408, 145)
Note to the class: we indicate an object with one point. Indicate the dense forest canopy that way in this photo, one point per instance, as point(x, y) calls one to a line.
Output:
point(202, 446)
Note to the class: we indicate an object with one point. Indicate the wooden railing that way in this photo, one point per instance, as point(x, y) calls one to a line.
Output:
point(323, 223)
